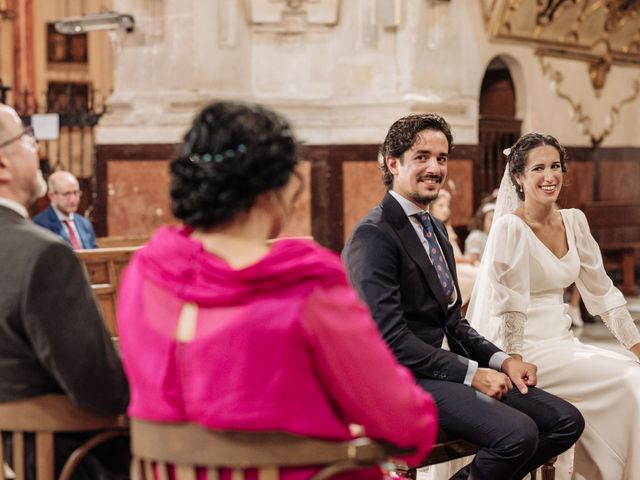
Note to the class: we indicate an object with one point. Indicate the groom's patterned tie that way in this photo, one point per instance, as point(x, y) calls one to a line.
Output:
point(436, 255)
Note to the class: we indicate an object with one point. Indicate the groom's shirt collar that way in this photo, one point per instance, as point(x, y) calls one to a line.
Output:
point(408, 206)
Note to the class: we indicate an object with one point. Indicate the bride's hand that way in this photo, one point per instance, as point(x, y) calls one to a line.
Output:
point(636, 350)
point(522, 374)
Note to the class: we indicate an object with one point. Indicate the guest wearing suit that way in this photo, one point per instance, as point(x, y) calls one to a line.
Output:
point(52, 335)
point(60, 216)
point(401, 263)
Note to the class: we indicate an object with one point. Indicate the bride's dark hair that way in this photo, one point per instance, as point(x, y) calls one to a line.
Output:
point(519, 154)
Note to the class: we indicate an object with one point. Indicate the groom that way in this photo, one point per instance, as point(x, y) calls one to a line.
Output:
point(401, 263)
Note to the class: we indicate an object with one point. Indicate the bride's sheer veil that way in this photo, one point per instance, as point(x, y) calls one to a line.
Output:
point(479, 312)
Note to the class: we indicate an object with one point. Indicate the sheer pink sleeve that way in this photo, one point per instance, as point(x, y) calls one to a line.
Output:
point(363, 377)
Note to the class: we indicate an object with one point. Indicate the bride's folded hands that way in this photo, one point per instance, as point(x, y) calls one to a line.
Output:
point(522, 374)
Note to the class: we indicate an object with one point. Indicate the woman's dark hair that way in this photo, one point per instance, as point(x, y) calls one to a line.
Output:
point(232, 153)
point(403, 134)
point(519, 154)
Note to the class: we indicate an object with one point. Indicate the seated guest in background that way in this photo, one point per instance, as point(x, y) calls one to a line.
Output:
point(221, 329)
point(52, 335)
point(467, 269)
point(479, 230)
point(60, 216)
point(401, 263)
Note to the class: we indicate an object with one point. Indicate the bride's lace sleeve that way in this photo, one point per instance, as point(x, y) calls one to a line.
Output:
point(596, 288)
point(513, 333)
point(502, 293)
point(619, 322)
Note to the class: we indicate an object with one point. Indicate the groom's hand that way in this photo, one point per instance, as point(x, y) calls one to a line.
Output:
point(492, 383)
point(522, 374)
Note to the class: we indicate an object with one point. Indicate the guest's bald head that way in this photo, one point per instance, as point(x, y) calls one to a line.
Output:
point(64, 192)
point(20, 176)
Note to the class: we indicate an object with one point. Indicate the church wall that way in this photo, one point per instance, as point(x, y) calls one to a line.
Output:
point(342, 183)
point(343, 73)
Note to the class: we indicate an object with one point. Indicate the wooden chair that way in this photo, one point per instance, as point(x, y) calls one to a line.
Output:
point(122, 241)
point(156, 445)
point(45, 416)
point(449, 448)
point(104, 267)
point(271, 241)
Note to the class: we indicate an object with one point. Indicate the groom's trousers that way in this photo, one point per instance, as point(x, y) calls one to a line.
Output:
point(517, 434)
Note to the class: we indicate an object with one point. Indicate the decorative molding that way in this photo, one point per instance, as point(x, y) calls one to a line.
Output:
point(600, 32)
point(292, 16)
point(583, 118)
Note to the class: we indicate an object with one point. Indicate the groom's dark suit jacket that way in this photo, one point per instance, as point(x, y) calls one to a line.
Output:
point(393, 275)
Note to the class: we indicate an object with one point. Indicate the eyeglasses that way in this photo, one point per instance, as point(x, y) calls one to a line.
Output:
point(28, 131)
point(69, 194)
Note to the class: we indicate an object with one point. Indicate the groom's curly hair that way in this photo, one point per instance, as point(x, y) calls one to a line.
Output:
point(403, 133)
point(519, 154)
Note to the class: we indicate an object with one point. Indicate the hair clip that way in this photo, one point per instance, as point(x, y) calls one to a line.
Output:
point(197, 158)
point(506, 152)
point(218, 157)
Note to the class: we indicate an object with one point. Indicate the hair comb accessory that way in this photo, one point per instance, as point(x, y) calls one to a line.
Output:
point(218, 157)
point(197, 158)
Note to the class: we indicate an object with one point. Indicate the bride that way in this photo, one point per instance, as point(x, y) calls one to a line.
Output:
point(534, 251)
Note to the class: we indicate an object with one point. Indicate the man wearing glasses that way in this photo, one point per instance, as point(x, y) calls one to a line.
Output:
point(60, 216)
point(52, 335)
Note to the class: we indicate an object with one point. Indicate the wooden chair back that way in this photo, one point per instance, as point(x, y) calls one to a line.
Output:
point(45, 416)
point(122, 241)
point(104, 267)
point(156, 446)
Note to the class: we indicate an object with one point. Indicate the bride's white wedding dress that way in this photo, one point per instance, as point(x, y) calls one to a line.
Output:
point(527, 315)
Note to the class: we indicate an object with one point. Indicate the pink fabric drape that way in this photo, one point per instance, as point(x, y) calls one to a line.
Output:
point(283, 344)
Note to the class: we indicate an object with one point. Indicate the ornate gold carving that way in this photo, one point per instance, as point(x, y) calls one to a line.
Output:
point(545, 16)
point(583, 119)
point(598, 70)
point(600, 32)
point(620, 12)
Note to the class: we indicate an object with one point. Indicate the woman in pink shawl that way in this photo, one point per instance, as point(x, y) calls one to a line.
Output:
point(220, 329)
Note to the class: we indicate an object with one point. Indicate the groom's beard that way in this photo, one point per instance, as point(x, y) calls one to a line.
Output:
point(423, 200)
point(429, 197)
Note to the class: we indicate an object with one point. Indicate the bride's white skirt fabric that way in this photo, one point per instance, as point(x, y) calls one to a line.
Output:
point(603, 385)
